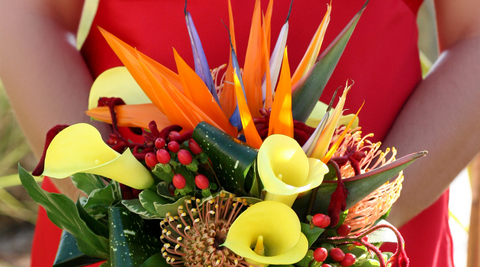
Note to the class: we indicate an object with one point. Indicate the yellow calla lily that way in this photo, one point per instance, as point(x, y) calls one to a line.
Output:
point(285, 170)
point(320, 110)
point(117, 82)
point(80, 148)
point(270, 224)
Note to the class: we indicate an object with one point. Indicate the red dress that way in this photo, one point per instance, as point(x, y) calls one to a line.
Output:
point(381, 57)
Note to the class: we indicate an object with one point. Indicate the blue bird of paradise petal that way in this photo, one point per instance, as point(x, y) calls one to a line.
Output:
point(201, 64)
point(235, 119)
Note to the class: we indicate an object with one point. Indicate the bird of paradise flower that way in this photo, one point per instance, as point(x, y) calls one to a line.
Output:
point(189, 97)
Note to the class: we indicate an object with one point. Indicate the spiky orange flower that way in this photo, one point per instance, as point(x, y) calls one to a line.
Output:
point(359, 155)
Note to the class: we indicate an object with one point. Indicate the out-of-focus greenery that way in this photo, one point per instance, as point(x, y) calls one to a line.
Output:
point(13, 149)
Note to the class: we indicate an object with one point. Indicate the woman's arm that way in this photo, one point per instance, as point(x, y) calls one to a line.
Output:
point(442, 116)
point(45, 77)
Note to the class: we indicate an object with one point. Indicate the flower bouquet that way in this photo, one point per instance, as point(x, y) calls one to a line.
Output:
point(244, 169)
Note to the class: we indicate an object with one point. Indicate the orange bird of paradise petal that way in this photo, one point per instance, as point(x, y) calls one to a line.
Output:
point(311, 55)
point(131, 115)
point(281, 118)
point(129, 57)
point(227, 97)
point(196, 90)
point(252, 78)
point(251, 134)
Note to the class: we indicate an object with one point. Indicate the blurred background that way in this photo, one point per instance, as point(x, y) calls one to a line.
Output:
point(18, 212)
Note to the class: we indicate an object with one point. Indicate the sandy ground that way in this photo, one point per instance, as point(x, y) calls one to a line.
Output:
point(15, 243)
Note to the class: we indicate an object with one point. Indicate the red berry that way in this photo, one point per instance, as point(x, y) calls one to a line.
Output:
point(151, 160)
point(321, 220)
point(326, 265)
point(174, 136)
point(201, 181)
point(159, 143)
point(337, 254)
point(173, 146)
point(320, 254)
point(163, 156)
point(344, 230)
point(184, 156)
point(179, 181)
point(349, 260)
point(194, 147)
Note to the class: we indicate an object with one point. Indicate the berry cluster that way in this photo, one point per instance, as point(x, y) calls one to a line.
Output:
point(176, 158)
point(336, 247)
point(327, 254)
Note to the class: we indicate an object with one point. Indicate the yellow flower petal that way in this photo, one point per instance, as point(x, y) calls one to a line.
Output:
point(117, 82)
point(286, 171)
point(319, 111)
point(80, 148)
point(322, 144)
point(283, 241)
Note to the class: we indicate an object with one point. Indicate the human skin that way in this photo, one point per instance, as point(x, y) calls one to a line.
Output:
point(442, 115)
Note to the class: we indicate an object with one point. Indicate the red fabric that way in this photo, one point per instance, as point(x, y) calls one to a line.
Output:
point(47, 235)
point(427, 237)
point(381, 57)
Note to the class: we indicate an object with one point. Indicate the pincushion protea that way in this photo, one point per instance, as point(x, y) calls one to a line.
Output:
point(194, 237)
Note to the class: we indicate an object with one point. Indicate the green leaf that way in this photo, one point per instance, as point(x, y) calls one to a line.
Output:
point(233, 158)
point(370, 263)
point(306, 94)
point(359, 186)
point(162, 209)
point(148, 198)
point(87, 182)
point(68, 254)
point(163, 172)
point(305, 262)
point(100, 199)
point(96, 226)
point(131, 242)
point(62, 212)
point(162, 190)
point(189, 177)
point(156, 261)
point(383, 235)
point(312, 234)
point(134, 205)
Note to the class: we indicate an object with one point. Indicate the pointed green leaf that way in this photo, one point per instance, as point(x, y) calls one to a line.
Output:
point(134, 206)
point(149, 198)
point(359, 186)
point(69, 255)
point(233, 158)
point(96, 226)
point(383, 235)
point(162, 209)
point(87, 182)
point(308, 261)
point(307, 91)
point(62, 212)
point(156, 260)
point(312, 234)
point(162, 190)
point(100, 199)
point(132, 242)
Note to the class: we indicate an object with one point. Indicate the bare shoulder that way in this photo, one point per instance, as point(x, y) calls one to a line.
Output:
point(64, 13)
point(457, 20)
